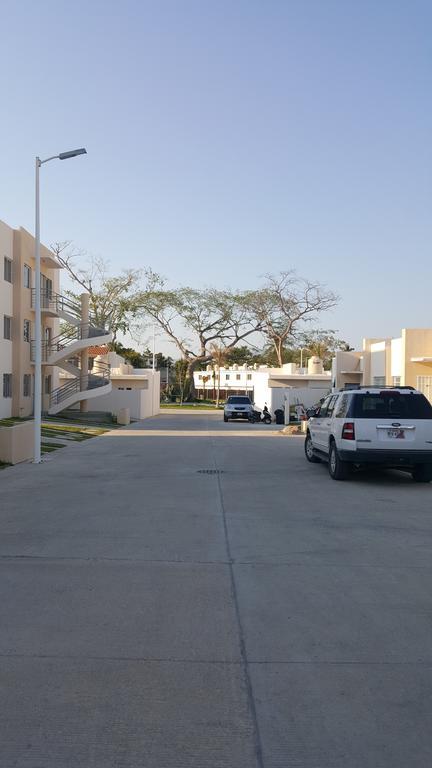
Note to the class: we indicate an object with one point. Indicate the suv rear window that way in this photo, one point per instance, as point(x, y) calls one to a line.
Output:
point(391, 406)
point(239, 400)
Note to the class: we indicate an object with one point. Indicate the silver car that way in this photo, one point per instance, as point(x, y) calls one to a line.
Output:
point(237, 407)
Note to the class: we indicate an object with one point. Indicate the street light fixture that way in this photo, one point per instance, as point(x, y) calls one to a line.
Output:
point(38, 324)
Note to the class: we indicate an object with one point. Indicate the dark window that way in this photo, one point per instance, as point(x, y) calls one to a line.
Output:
point(26, 330)
point(7, 385)
point(27, 385)
point(7, 327)
point(391, 406)
point(341, 408)
point(227, 376)
point(324, 406)
point(331, 406)
point(7, 269)
point(239, 400)
point(238, 376)
point(27, 276)
point(47, 385)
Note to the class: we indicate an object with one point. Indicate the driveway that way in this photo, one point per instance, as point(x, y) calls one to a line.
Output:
point(193, 593)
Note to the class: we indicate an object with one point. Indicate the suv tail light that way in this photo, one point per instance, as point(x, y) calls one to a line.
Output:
point(348, 431)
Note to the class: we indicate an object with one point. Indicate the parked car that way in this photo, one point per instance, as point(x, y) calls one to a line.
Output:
point(237, 407)
point(390, 427)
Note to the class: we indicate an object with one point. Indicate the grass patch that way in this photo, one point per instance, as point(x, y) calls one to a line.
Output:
point(9, 421)
point(73, 433)
point(50, 447)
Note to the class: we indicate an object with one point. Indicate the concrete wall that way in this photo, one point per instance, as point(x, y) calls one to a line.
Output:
point(23, 244)
point(142, 401)
point(416, 342)
point(6, 308)
point(378, 361)
point(16, 442)
point(396, 364)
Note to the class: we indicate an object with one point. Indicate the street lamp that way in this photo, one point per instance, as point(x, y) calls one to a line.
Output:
point(38, 323)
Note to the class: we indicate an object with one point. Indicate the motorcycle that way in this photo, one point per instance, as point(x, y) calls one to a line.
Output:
point(257, 416)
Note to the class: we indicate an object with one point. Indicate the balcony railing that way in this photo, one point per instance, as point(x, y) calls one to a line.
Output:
point(100, 377)
point(65, 339)
point(54, 302)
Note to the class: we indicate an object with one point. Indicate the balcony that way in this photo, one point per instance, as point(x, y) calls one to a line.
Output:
point(55, 305)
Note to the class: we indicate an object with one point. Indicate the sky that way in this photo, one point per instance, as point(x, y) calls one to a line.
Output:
point(231, 138)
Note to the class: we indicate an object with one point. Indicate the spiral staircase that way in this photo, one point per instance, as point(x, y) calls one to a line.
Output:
point(65, 351)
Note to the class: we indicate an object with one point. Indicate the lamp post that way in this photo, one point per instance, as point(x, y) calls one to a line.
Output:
point(38, 324)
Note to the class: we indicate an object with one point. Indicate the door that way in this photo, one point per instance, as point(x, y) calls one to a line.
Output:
point(319, 425)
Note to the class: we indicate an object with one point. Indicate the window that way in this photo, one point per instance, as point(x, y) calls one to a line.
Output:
point(7, 271)
point(27, 276)
point(227, 377)
point(331, 405)
point(7, 385)
point(47, 385)
point(396, 380)
point(26, 330)
point(390, 405)
point(238, 400)
point(27, 385)
point(379, 381)
point(341, 409)
point(249, 376)
point(324, 406)
point(238, 376)
point(200, 376)
point(7, 327)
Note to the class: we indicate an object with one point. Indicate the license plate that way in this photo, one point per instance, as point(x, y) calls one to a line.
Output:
point(396, 434)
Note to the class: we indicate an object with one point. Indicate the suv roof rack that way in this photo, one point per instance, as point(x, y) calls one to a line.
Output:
point(356, 387)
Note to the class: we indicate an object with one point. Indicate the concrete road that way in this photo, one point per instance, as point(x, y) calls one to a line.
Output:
point(192, 593)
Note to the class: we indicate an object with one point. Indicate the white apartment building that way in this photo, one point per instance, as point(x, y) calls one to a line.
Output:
point(68, 350)
point(402, 361)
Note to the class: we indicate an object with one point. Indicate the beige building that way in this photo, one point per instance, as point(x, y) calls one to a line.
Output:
point(60, 350)
point(403, 361)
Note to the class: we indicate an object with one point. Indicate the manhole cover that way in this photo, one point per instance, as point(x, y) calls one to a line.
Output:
point(209, 471)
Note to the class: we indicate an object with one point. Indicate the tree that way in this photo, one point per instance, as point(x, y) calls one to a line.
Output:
point(323, 344)
point(219, 356)
point(284, 303)
point(181, 380)
point(112, 298)
point(211, 316)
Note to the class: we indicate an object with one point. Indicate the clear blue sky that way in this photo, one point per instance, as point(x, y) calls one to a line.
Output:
point(228, 138)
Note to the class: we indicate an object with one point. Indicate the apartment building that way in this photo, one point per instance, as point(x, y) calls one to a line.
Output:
point(17, 319)
point(402, 361)
point(68, 350)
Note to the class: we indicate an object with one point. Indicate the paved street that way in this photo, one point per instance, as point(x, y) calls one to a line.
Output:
point(156, 614)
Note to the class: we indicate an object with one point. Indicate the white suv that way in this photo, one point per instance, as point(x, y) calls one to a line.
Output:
point(373, 425)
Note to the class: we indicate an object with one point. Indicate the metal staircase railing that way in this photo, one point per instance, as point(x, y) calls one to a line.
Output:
point(99, 377)
point(65, 339)
point(56, 303)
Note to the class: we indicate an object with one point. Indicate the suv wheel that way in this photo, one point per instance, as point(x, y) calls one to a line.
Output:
point(422, 473)
point(338, 469)
point(309, 451)
point(225, 418)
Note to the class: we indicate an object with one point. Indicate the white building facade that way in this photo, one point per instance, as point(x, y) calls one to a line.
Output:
point(402, 361)
point(278, 388)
